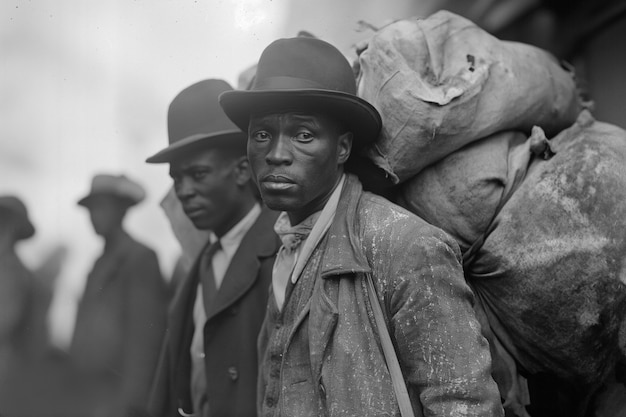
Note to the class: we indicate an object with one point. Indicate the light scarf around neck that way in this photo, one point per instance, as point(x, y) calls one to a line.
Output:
point(293, 254)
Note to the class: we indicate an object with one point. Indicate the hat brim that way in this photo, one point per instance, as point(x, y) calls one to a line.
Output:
point(88, 200)
point(200, 140)
point(359, 116)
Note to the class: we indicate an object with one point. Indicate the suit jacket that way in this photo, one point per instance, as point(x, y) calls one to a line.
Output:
point(230, 332)
point(120, 324)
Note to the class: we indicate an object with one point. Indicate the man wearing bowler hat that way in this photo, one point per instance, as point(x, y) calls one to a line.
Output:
point(208, 363)
point(345, 252)
point(120, 320)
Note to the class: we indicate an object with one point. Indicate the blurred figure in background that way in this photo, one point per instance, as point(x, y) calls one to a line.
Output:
point(121, 318)
point(16, 287)
point(208, 365)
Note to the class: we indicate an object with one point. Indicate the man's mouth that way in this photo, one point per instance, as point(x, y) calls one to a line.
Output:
point(276, 182)
point(192, 211)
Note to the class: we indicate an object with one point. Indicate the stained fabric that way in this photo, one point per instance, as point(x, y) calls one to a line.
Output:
point(442, 82)
point(428, 306)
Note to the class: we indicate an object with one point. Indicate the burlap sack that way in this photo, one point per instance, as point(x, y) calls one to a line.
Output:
point(461, 193)
point(551, 271)
point(443, 82)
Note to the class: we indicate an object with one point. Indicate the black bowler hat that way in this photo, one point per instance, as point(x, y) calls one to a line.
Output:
point(195, 120)
point(305, 73)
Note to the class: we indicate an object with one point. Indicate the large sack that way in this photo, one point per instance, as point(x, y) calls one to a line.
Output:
point(551, 271)
point(462, 192)
point(443, 82)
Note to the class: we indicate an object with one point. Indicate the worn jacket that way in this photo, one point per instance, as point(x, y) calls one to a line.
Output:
point(230, 332)
point(120, 325)
point(417, 271)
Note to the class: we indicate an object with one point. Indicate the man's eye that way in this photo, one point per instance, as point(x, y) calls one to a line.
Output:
point(261, 136)
point(304, 136)
point(198, 175)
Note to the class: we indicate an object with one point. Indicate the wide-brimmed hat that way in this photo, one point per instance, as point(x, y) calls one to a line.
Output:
point(196, 120)
point(119, 186)
point(16, 207)
point(305, 73)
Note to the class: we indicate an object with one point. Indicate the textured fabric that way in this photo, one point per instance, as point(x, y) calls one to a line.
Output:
point(281, 325)
point(554, 289)
point(417, 270)
point(291, 238)
point(443, 82)
point(229, 335)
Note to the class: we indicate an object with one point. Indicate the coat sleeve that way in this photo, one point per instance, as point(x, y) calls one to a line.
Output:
point(445, 359)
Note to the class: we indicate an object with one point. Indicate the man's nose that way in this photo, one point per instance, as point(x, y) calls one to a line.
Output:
point(184, 188)
point(280, 151)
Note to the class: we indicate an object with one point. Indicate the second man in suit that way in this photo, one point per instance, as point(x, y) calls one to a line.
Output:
point(209, 364)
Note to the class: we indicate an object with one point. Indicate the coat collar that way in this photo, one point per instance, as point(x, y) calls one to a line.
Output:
point(259, 242)
point(344, 251)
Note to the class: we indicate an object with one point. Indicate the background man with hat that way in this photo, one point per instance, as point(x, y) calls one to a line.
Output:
point(320, 348)
point(208, 365)
point(120, 320)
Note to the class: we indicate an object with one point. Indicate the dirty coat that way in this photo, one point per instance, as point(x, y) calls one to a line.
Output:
point(416, 269)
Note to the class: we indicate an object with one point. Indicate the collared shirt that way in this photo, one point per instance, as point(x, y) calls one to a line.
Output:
point(305, 249)
point(221, 260)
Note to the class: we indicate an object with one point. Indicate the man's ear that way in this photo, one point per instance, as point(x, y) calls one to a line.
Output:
point(242, 170)
point(344, 145)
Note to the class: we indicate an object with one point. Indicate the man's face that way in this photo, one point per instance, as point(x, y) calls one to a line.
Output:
point(206, 183)
point(297, 159)
point(106, 213)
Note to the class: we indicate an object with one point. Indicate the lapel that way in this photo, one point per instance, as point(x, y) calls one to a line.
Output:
point(344, 251)
point(181, 313)
point(342, 258)
point(260, 242)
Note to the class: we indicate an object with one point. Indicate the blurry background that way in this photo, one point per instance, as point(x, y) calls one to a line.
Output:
point(85, 86)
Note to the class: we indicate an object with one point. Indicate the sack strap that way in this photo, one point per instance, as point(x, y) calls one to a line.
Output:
point(397, 379)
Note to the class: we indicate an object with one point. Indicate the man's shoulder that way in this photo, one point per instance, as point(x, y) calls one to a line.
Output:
point(374, 207)
point(138, 248)
point(380, 218)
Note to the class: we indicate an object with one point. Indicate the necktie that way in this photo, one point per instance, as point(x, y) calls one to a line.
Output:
point(207, 276)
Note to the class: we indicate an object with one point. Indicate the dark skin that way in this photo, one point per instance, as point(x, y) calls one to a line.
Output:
point(213, 187)
point(297, 159)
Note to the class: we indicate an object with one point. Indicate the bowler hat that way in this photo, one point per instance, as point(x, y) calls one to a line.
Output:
point(16, 207)
point(195, 120)
point(305, 73)
point(120, 186)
